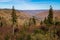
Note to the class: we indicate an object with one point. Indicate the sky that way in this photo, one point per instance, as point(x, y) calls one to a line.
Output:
point(30, 4)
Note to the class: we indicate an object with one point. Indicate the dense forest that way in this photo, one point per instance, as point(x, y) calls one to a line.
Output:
point(48, 29)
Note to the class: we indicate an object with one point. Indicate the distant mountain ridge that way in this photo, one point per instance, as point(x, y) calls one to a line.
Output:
point(28, 13)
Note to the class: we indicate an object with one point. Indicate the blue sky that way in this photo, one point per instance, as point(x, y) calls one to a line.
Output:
point(30, 4)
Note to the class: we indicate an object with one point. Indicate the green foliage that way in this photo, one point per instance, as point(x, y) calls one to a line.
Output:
point(32, 21)
point(57, 23)
point(6, 37)
point(39, 31)
point(50, 16)
point(21, 35)
point(43, 33)
point(1, 23)
point(49, 20)
point(25, 26)
point(24, 36)
point(28, 37)
point(20, 38)
point(41, 22)
point(14, 17)
point(45, 20)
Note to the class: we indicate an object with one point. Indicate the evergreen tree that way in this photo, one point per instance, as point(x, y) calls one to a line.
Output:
point(14, 17)
point(33, 19)
point(29, 21)
point(41, 22)
point(1, 24)
point(45, 20)
point(50, 16)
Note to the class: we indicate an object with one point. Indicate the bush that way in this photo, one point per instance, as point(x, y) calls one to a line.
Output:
point(28, 37)
point(6, 37)
point(39, 31)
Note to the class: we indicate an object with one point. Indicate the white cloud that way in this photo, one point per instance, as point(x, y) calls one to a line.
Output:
point(5, 0)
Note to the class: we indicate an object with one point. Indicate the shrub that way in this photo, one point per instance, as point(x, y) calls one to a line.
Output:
point(6, 37)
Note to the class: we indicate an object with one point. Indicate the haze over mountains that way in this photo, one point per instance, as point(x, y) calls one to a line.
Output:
point(28, 13)
point(42, 13)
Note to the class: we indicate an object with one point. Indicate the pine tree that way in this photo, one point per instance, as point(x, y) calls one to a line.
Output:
point(14, 17)
point(50, 16)
point(29, 21)
point(45, 20)
point(1, 24)
point(41, 22)
point(34, 21)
